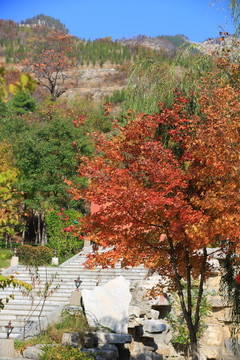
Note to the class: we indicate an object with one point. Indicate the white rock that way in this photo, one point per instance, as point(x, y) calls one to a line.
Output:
point(107, 305)
point(134, 312)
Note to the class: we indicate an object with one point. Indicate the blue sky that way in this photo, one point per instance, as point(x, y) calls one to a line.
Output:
point(91, 19)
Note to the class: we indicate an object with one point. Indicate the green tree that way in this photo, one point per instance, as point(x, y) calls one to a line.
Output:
point(10, 198)
point(22, 102)
point(47, 152)
point(60, 237)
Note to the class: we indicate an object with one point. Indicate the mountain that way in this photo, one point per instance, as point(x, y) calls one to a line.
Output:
point(44, 20)
point(165, 44)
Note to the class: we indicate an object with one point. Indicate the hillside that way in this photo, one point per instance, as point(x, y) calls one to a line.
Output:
point(101, 66)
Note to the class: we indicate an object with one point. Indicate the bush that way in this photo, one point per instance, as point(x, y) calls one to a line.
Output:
point(34, 256)
point(43, 254)
point(5, 257)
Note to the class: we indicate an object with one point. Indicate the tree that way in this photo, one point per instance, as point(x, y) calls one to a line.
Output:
point(10, 198)
point(152, 80)
point(234, 7)
point(22, 102)
point(51, 66)
point(166, 187)
point(46, 153)
point(10, 281)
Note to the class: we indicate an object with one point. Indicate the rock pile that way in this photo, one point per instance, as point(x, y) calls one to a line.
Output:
point(132, 326)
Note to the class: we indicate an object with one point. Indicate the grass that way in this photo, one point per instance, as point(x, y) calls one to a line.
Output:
point(76, 323)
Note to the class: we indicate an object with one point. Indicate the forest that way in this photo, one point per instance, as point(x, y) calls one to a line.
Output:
point(160, 157)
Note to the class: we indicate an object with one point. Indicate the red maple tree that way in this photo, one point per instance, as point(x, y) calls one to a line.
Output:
point(52, 65)
point(167, 187)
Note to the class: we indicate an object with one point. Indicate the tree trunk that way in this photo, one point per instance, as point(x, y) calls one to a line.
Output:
point(44, 233)
point(186, 305)
point(23, 235)
point(194, 350)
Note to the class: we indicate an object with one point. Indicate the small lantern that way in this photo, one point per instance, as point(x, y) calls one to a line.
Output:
point(55, 253)
point(15, 251)
point(9, 328)
point(78, 282)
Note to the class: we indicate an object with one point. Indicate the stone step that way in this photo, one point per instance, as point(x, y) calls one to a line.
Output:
point(64, 276)
point(13, 336)
point(75, 268)
point(18, 319)
point(16, 302)
point(23, 312)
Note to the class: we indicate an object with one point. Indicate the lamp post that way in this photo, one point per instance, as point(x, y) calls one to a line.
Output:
point(9, 328)
point(78, 282)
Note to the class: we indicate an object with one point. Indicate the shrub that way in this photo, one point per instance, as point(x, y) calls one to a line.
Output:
point(34, 256)
point(43, 254)
point(5, 257)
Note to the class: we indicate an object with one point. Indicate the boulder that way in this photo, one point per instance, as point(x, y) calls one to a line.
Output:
point(72, 339)
point(111, 338)
point(90, 340)
point(228, 350)
point(107, 306)
point(154, 326)
point(109, 352)
point(213, 335)
point(134, 312)
point(152, 314)
point(33, 352)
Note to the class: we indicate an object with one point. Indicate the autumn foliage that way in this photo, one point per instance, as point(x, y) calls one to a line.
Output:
point(175, 174)
point(167, 187)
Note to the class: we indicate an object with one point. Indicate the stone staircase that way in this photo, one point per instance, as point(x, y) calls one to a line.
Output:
point(29, 313)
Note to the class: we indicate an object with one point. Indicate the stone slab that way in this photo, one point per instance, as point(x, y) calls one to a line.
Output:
point(75, 299)
point(55, 261)
point(14, 261)
point(7, 348)
point(112, 338)
point(154, 326)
